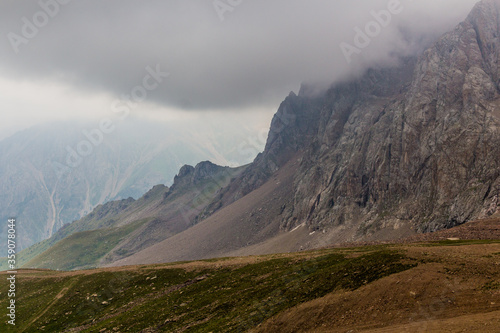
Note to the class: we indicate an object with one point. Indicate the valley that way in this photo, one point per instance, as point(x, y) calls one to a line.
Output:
point(384, 156)
point(374, 205)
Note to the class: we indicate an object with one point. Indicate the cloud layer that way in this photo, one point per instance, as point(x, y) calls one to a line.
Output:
point(252, 58)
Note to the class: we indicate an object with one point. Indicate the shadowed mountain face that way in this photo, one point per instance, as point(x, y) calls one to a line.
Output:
point(401, 150)
point(412, 147)
point(415, 146)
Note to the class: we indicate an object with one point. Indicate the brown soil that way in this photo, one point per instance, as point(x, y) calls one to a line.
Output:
point(482, 229)
point(457, 289)
point(480, 323)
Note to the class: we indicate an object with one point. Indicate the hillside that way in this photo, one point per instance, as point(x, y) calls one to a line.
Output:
point(419, 287)
point(120, 228)
point(41, 190)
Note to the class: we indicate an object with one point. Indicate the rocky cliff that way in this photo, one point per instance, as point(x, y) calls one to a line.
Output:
point(415, 145)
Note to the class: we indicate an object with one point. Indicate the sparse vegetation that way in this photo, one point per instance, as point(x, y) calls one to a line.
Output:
point(240, 294)
point(459, 242)
point(217, 296)
point(492, 285)
point(83, 249)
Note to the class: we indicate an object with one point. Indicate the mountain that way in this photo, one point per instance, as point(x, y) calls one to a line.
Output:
point(412, 146)
point(46, 183)
point(118, 229)
point(417, 151)
point(403, 149)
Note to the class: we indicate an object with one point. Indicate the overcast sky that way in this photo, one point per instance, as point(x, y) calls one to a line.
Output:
point(81, 58)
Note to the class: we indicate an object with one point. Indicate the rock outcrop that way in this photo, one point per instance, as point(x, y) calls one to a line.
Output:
point(415, 145)
point(420, 149)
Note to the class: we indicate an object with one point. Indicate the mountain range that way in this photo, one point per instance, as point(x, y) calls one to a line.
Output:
point(403, 149)
point(46, 183)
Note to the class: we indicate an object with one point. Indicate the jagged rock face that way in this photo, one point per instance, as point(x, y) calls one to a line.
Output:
point(206, 170)
point(193, 175)
point(415, 145)
point(293, 128)
point(420, 149)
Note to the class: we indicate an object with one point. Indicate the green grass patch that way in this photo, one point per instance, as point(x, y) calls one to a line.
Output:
point(218, 299)
point(82, 249)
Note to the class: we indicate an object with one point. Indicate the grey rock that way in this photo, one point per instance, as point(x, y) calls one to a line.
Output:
point(415, 145)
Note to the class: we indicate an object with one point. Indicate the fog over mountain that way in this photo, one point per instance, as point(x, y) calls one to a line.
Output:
point(250, 165)
point(243, 56)
point(54, 174)
point(194, 66)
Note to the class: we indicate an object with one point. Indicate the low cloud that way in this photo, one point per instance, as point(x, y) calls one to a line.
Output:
point(250, 54)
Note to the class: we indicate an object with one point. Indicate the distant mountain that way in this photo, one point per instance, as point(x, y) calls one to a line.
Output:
point(118, 229)
point(47, 179)
point(402, 150)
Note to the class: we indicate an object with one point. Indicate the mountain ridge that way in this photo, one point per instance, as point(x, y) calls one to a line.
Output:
point(133, 224)
point(404, 149)
point(389, 155)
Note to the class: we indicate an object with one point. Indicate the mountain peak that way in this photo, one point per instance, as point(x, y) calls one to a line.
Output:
point(185, 170)
point(192, 175)
point(206, 169)
point(485, 6)
point(485, 20)
point(462, 67)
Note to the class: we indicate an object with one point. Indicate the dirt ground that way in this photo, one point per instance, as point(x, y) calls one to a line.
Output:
point(480, 323)
point(455, 289)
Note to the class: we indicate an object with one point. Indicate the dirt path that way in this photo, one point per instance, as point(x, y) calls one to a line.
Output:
point(56, 298)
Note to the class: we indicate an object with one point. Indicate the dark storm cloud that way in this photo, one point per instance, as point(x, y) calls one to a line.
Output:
point(261, 49)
